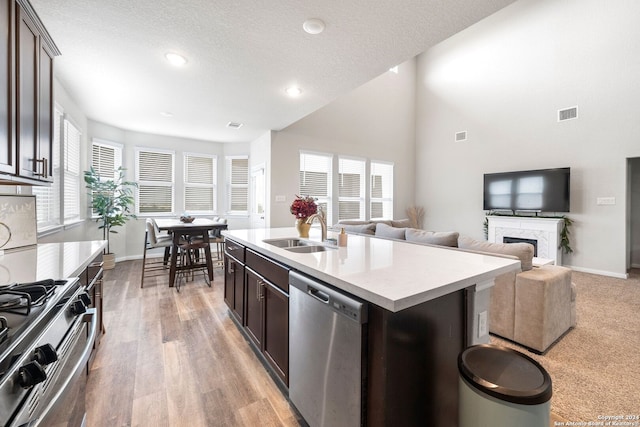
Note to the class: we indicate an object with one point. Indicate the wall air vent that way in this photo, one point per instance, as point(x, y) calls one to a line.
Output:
point(461, 136)
point(234, 125)
point(568, 114)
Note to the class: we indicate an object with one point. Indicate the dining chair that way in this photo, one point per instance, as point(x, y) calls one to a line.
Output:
point(154, 239)
point(215, 236)
point(191, 258)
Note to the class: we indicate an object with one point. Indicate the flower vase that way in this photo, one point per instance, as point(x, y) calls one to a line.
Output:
point(303, 227)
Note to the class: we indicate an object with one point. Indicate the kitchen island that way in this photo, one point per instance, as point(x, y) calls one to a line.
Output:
point(423, 308)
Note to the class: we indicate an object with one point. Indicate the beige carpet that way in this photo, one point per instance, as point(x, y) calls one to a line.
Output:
point(595, 367)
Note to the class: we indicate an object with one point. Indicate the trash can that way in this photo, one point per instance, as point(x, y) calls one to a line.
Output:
point(501, 387)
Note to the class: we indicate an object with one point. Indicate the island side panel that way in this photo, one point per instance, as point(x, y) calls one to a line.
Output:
point(412, 363)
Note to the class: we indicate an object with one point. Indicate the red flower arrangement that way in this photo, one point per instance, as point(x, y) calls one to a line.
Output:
point(303, 207)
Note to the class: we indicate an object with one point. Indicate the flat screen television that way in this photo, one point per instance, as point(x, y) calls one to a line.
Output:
point(545, 190)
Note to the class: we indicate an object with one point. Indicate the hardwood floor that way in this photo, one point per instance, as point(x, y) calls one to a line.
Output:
point(177, 359)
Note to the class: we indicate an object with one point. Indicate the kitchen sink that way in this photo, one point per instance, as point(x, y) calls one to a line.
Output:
point(308, 249)
point(288, 243)
point(294, 244)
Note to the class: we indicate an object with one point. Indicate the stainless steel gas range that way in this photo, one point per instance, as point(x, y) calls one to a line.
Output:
point(47, 333)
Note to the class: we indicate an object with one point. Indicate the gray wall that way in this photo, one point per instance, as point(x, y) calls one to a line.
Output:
point(375, 121)
point(503, 80)
point(634, 212)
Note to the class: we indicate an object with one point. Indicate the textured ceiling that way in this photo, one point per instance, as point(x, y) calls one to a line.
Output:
point(242, 55)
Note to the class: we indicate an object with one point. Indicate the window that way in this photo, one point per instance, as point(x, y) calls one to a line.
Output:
point(155, 176)
point(351, 179)
point(106, 157)
point(381, 190)
point(238, 185)
point(48, 198)
point(315, 179)
point(71, 171)
point(199, 183)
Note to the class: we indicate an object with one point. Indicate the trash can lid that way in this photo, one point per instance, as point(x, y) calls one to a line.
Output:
point(505, 374)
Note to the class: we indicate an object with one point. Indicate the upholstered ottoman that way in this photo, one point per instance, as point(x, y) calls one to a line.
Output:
point(544, 306)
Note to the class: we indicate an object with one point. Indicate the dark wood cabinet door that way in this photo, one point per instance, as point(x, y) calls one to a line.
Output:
point(27, 92)
point(45, 113)
point(253, 309)
point(229, 277)
point(7, 117)
point(238, 291)
point(276, 330)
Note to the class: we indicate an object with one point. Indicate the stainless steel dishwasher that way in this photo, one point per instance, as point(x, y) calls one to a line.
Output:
point(327, 336)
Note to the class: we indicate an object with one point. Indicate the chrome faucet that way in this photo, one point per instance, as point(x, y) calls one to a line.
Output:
point(323, 223)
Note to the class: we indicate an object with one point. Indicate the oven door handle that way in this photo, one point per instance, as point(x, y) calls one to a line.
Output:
point(89, 316)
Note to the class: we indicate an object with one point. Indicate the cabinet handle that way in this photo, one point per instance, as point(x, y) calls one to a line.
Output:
point(259, 288)
point(232, 267)
point(45, 172)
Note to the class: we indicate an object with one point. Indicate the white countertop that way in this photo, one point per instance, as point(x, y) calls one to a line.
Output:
point(392, 274)
point(48, 261)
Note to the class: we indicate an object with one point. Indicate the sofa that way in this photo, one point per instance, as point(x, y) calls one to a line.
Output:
point(533, 307)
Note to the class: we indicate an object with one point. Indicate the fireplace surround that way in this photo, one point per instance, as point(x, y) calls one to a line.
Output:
point(544, 231)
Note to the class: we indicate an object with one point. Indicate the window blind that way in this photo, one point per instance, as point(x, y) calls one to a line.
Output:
point(154, 174)
point(48, 198)
point(200, 183)
point(238, 184)
point(351, 188)
point(315, 179)
point(381, 193)
point(71, 172)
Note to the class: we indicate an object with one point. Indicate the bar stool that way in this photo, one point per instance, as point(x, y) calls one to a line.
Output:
point(153, 239)
point(191, 258)
point(215, 236)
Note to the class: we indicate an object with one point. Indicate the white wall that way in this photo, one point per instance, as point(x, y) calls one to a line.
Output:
point(503, 80)
point(375, 121)
point(634, 212)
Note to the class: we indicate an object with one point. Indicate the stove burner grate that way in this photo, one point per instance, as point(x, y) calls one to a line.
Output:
point(4, 329)
point(21, 298)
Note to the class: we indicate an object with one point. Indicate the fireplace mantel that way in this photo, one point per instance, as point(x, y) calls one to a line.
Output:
point(545, 230)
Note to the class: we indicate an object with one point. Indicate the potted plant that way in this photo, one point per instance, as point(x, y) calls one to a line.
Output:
point(111, 200)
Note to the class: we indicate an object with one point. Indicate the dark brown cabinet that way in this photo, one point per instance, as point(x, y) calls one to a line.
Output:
point(91, 279)
point(267, 310)
point(7, 92)
point(26, 69)
point(256, 290)
point(234, 279)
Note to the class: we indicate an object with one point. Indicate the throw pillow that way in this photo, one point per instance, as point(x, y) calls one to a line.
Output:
point(384, 230)
point(524, 251)
point(401, 222)
point(440, 238)
point(360, 229)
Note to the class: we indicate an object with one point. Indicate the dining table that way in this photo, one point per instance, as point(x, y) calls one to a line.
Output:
point(199, 227)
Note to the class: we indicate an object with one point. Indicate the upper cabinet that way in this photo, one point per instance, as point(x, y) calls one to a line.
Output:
point(27, 128)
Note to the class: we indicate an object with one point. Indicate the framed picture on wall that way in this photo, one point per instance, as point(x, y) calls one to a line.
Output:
point(18, 223)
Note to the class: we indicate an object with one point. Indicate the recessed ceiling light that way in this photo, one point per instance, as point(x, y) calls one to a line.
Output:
point(293, 91)
point(234, 125)
point(175, 59)
point(166, 114)
point(313, 26)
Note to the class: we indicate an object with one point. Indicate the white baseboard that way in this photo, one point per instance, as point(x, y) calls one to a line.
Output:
point(599, 272)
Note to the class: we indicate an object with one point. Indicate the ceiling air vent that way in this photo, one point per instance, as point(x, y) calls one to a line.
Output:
point(461, 136)
point(234, 125)
point(568, 114)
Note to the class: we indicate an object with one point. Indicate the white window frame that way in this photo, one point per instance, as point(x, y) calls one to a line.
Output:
point(349, 165)
point(211, 187)
point(117, 159)
point(321, 199)
point(231, 186)
point(49, 218)
point(155, 183)
point(71, 178)
point(386, 200)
